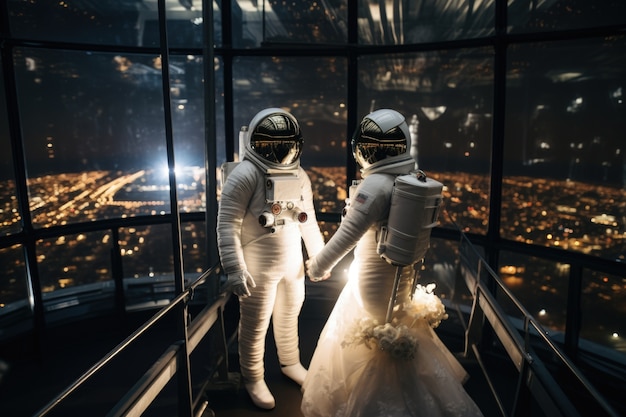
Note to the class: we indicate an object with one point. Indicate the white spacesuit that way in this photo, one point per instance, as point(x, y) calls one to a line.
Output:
point(375, 355)
point(382, 147)
point(265, 211)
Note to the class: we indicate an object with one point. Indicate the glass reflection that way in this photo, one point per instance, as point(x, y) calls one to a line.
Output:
point(147, 252)
point(73, 260)
point(540, 16)
point(392, 22)
point(319, 104)
point(135, 23)
point(75, 274)
point(14, 287)
point(96, 146)
point(194, 241)
point(107, 22)
point(147, 265)
point(440, 268)
point(258, 23)
point(15, 292)
point(540, 286)
point(564, 171)
point(603, 300)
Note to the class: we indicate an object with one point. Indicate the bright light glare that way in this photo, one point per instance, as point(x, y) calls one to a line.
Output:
point(178, 170)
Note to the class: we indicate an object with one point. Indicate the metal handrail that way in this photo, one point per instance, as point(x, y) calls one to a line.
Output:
point(183, 297)
point(518, 347)
point(146, 389)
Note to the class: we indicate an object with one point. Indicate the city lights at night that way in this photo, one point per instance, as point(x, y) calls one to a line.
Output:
point(516, 107)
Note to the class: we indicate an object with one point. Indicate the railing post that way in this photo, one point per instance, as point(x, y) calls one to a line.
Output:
point(222, 369)
point(521, 402)
point(473, 334)
point(117, 270)
point(185, 397)
point(573, 319)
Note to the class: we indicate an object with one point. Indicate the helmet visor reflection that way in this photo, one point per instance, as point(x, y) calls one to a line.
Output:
point(277, 139)
point(280, 151)
point(371, 147)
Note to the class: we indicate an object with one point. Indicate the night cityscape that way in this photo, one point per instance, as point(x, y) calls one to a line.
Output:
point(543, 212)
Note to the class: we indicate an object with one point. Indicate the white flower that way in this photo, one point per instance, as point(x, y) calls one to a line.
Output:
point(425, 305)
point(361, 332)
point(396, 337)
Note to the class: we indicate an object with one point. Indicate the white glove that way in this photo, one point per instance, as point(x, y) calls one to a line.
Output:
point(312, 272)
point(238, 283)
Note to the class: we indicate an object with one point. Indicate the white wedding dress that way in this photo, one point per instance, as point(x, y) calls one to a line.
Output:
point(350, 376)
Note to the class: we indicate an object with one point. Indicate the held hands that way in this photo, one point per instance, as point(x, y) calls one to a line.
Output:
point(238, 283)
point(312, 272)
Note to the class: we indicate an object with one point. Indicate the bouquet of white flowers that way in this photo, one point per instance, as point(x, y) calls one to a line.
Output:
point(396, 337)
point(426, 305)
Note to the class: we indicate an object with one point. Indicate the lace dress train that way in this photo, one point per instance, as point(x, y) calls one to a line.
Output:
point(350, 375)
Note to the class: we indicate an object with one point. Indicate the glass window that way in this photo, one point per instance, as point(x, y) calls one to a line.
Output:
point(10, 218)
point(541, 16)
point(446, 97)
point(147, 251)
point(194, 242)
point(187, 96)
point(15, 294)
point(93, 135)
point(188, 122)
point(440, 268)
point(148, 265)
point(184, 23)
point(392, 22)
point(565, 167)
point(220, 130)
point(603, 300)
point(258, 23)
point(313, 89)
point(540, 285)
point(75, 274)
point(108, 22)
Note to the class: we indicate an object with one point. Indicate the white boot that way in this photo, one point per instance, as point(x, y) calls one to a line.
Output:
point(295, 372)
point(260, 394)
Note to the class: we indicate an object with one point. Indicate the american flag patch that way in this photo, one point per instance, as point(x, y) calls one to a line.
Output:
point(361, 198)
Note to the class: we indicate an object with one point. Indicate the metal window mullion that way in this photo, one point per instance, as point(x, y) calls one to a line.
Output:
point(21, 190)
point(184, 372)
point(353, 84)
point(210, 134)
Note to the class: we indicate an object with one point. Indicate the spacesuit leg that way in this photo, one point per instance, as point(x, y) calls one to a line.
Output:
point(255, 313)
point(289, 300)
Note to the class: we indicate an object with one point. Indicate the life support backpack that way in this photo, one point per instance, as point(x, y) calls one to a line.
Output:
point(414, 211)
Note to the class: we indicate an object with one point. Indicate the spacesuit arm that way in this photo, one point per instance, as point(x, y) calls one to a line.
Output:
point(359, 218)
point(234, 201)
point(310, 230)
point(342, 242)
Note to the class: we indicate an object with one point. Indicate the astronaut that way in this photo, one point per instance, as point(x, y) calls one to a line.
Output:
point(388, 222)
point(265, 212)
point(382, 146)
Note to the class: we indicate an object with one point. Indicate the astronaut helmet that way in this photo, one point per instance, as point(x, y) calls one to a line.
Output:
point(274, 139)
point(382, 142)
